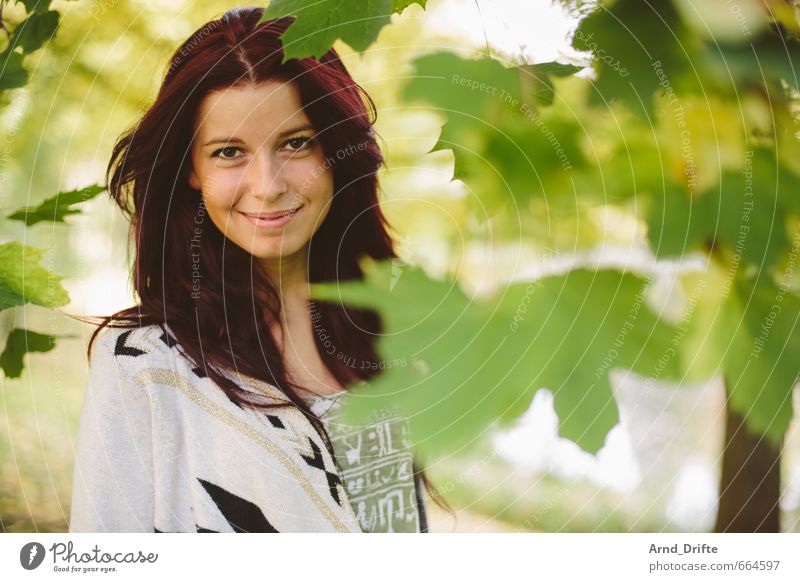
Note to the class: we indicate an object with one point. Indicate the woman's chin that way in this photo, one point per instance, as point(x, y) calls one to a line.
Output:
point(273, 255)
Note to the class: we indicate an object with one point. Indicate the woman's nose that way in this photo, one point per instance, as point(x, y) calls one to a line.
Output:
point(264, 176)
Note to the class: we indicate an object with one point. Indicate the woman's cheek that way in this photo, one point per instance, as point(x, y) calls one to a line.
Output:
point(222, 189)
point(313, 173)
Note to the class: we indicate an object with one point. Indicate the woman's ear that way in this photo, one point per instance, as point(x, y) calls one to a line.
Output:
point(194, 182)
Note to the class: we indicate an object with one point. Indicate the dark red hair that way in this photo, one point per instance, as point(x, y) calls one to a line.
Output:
point(222, 324)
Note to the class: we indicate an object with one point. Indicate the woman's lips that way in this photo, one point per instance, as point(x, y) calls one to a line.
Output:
point(272, 222)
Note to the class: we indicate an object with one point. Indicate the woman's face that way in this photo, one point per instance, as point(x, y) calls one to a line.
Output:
point(255, 158)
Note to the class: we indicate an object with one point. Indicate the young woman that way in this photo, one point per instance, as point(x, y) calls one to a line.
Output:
point(212, 404)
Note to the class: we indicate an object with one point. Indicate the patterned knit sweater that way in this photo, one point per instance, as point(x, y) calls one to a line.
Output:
point(162, 449)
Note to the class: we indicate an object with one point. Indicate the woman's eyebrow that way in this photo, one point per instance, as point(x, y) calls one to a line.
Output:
point(303, 127)
point(226, 140)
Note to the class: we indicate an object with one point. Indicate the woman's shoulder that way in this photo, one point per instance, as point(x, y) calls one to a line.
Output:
point(147, 357)
point(152, 350)
point(131, 345)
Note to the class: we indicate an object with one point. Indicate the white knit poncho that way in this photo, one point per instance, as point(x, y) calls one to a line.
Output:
point(161, 448)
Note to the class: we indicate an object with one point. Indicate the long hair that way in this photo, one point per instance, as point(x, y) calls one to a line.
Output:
point(218, 316)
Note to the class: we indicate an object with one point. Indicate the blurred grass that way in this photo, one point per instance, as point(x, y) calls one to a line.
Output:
point(38, 424)
point(491, 494)
point(486, 485)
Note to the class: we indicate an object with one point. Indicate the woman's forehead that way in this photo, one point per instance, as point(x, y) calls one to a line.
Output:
point(259, 110)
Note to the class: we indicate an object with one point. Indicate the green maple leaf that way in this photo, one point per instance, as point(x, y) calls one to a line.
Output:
point(631, 42)
point(678, 222)
point(760, 63)
point(541, 77)
point(36, 5)
point(470, 93)
point(482, 91)
point(747, 330)
point(514, 161)
point(34, 31)
point(57, 207)
point(20, 342)
point(23, 280)
point(584, 323)
point(530, 159)
point(746, 212)
point(319, 24)
point(763, 364)
point(400, 5)
point(13, 73)
point(502, 142)
point(469, 365)
point(640, 49)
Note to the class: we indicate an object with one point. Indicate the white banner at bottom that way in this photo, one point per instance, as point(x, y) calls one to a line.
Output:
point(396, 557)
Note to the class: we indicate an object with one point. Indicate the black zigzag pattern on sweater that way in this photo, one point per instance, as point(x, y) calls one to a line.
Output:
point(122, 349)
point(318, 463)
point(242, 515)
point(167, 339)
point(199, 530)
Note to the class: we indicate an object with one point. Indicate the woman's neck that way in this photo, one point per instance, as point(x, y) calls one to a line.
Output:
point(290, 277)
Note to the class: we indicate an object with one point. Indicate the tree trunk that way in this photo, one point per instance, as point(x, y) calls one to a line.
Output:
point(750, 485)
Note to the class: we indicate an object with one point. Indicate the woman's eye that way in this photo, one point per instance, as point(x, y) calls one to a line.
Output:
point(226, 153)
point(297, 144)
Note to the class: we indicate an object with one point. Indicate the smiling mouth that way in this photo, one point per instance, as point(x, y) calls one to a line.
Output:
point(273, 220)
